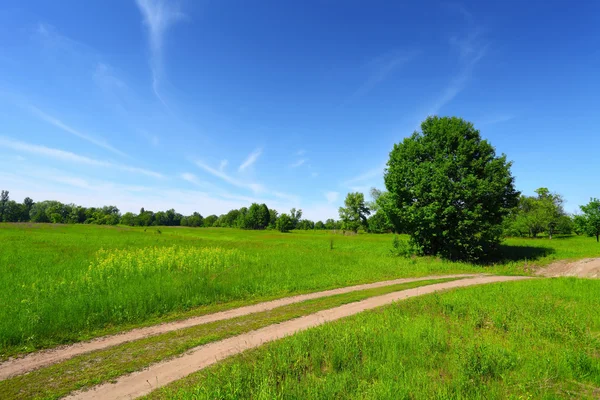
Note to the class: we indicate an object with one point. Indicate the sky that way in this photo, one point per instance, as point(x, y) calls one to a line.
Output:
point(212, 105)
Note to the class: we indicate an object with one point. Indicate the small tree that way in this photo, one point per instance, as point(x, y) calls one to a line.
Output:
point(449, 190)
point(295, 216)
point(284, 223)
point(3, 203)
point(591, 218)
point(354, 215)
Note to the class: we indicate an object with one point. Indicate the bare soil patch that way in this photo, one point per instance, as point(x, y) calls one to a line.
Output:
point(586, 268)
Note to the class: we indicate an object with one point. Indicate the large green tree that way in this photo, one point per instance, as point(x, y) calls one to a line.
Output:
point(591, 218)
point(449, 189)
point(354, 214)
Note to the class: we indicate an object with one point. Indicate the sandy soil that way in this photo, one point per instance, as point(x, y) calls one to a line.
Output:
point(30, 362)
point(162, 373)
point(587, 268)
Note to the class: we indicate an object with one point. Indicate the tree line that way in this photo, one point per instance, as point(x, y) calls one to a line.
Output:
point(257, 216)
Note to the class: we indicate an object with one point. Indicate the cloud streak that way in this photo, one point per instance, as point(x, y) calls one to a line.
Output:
point(365, 176)
point(298, 163)
point(158, 16)
point(68, 156)
point(250, 160)
point(255, 187)
point(332, 197)
point(471, 49)
point(61, 125)
point(381, 68)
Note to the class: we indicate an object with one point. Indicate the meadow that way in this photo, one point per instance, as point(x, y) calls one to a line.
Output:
point(65, 283)
point(521, 340)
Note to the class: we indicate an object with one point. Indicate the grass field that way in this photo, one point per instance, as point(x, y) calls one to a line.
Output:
point(63, 283)
point(522, 340)
point(93, 368)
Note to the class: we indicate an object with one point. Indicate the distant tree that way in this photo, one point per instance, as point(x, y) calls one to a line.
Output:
point(319, 225)
point(564, 225)
point(254, 217)
point(77, 215)
point(295, 215)
point(27, 204)
point(145, 217)
point(285, 223)
point(195, 220)
point(537, 214)
point(13, 212)
point(210, 220)
point(449, 190)
point(354, 214)
point(330, 224)
point(383, 212)
point(591, 218)
point(379, 223)
point(38, 212)
point(273, 219)
point(305, 224)
point(264, 217)
point(128, 219)
point(579, 224)
point(242, 221)
point(3, 203)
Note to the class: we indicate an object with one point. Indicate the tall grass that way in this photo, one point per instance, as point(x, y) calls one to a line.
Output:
point(61, 283)
point(521, 340)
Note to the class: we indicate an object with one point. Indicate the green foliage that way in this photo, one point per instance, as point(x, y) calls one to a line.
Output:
point(3, 203)
point(354, 214)
point(538, 214)
point(379, 223)
point(210, 220)
point(590, 220)
point(295, 216)
point(449, 190)
point(273, 214)
point(285, 223)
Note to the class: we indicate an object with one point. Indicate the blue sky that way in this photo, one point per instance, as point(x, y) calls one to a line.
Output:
point(208, 106)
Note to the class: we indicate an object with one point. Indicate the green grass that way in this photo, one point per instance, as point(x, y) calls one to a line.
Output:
point(519, 340)
point(100, 366)
point(53, 291)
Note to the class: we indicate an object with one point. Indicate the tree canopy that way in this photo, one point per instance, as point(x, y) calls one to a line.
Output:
point(354, 214)
point(449, 189)
point(590, 219)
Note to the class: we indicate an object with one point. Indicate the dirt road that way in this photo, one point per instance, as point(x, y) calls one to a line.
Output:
point(18, 366)
point(160, 374)
point(587, 268)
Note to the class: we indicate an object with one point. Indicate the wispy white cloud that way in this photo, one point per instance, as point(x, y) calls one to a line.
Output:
point(152, 138)
point(255, 187)
point(332, 196)
point(471, 49)
point(298, 163)
point(158, 16)
point(380, 69)
point(250, 160)
point(61, 125)
point(68, 156)
point(223, 165)
point(495, 119)
point(365, 176)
